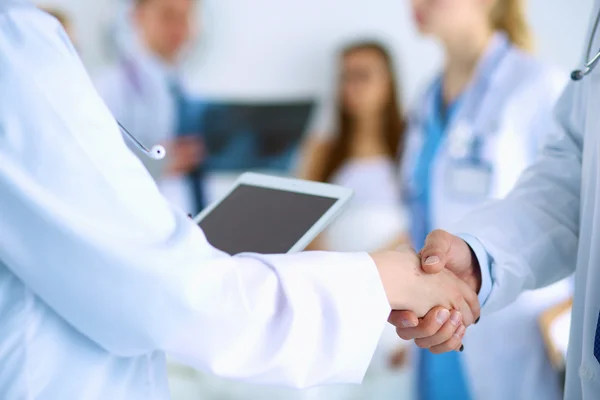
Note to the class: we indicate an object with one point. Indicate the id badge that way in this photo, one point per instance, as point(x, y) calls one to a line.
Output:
point(470, 181)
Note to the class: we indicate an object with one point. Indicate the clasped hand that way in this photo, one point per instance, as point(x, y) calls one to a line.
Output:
point(433, 293)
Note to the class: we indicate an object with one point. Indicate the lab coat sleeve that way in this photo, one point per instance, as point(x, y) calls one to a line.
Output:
point(483, 260)
point(545, 92)
point(531, 236)
point(86, 230)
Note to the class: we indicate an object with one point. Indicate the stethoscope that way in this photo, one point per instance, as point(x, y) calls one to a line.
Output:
point(157, 152)
point(589, 66)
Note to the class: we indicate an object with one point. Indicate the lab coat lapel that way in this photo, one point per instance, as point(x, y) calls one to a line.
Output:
point(476, 98)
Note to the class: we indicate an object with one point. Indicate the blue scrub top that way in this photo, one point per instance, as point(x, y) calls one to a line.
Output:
point(440, 376)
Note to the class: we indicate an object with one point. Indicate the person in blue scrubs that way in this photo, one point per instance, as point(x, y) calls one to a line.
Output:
point(477, 127)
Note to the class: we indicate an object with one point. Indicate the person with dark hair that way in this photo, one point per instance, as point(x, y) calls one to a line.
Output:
point(358, 144)
point(359, 147)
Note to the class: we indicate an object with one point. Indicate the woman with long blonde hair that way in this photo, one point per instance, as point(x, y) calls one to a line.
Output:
point(473, 132)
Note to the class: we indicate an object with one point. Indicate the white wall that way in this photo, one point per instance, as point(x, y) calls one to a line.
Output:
point(280, 48)
point(274, 48)
point(90, 19)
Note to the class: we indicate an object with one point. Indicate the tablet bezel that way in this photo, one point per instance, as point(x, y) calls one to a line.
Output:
point(341, 194)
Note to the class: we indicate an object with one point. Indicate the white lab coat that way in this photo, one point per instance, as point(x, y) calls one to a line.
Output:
point(136, 90)
point(548, 227)
point(100, 277)
point(512, 118)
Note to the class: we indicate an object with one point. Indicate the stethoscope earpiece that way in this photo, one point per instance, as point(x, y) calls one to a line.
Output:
point(157, 152)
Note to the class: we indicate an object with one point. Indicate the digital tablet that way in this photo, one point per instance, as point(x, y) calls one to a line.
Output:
point(271, 215)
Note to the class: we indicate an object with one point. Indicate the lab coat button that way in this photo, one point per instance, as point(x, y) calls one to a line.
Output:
point(586, 373)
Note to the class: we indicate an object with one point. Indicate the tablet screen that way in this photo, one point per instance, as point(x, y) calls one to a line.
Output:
point(262, 220)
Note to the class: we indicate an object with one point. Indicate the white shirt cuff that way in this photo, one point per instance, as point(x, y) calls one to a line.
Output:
point(485, 265)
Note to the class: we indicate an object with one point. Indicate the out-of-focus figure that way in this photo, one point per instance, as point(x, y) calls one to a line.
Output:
point(357, 146)
point(144, 89)
point(65, 21)
point(359, 149)
point(476, 128)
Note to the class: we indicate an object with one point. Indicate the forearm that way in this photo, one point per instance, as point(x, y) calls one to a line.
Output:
point(241, 317)
point(301, 311)
point(530, 238)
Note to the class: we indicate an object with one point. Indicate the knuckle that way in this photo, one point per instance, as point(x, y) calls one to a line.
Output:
point(404, 334)
point(447, 346)
point(446, 334)
point(468, 319)
point(430, 330)
point(438, 234)
point(456, 297)
point(442, 338)
point(467, 316)
point(473, 299)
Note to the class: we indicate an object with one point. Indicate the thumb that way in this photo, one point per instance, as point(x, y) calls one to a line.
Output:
point(403, 319)
point(434, 254)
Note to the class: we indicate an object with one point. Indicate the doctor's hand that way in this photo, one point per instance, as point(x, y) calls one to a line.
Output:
point(184, 154)
point(442, 252)
point(408, 287)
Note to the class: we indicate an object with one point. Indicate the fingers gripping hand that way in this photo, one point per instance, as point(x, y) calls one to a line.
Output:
point(409, 288)
point(440, 330)
point(446, 290)
point(447, 333)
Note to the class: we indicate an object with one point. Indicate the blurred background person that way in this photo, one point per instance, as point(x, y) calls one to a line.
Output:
point(144, 90)
point(361, 152)
point(476, 128)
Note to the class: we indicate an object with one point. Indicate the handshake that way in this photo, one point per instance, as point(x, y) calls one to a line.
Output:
point(433, 293)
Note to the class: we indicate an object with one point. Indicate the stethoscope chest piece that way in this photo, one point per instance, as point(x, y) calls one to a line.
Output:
point(591, 61)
